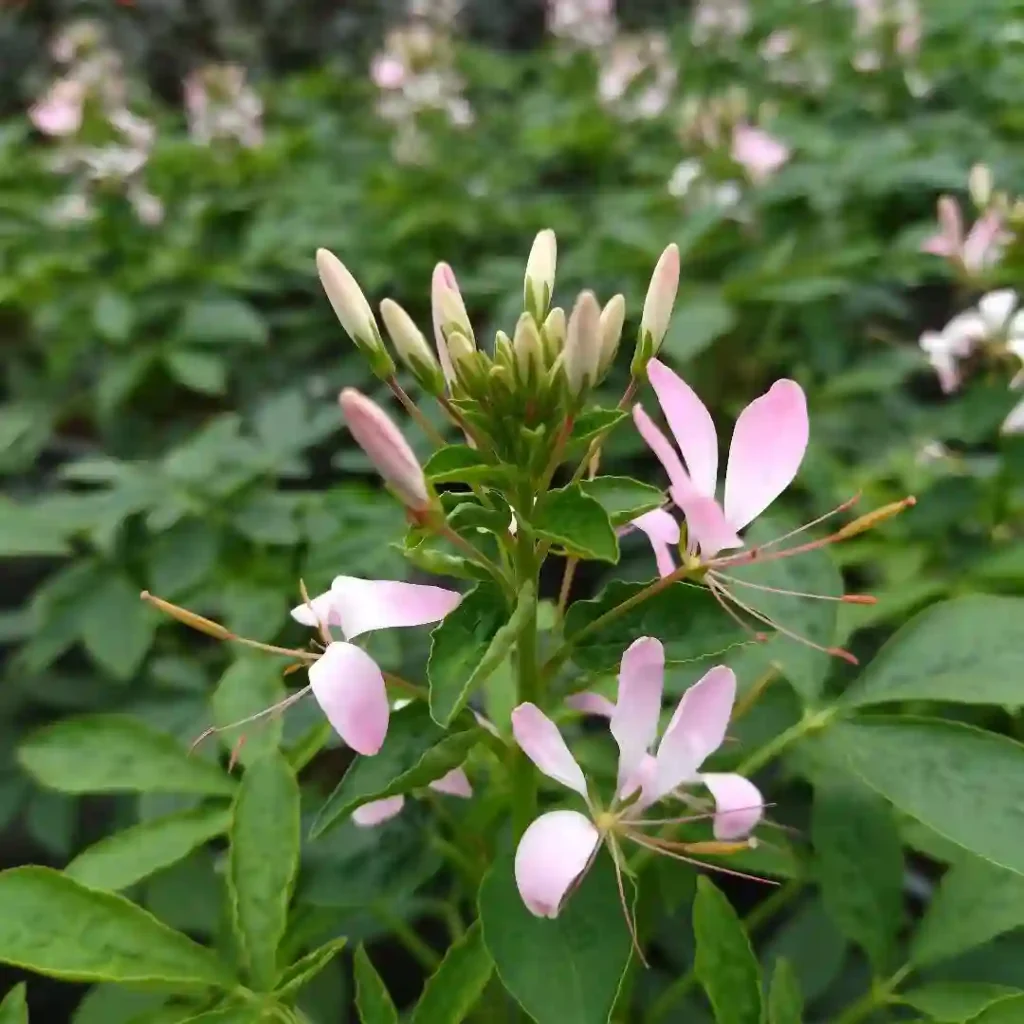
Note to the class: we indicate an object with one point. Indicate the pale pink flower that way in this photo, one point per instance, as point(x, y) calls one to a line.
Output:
point(59, 112)
point(757, 152)
point(376, 812)
point(637, 75)
point(981, 248)
point(387, 71)
point(585, 23)
point(346, 682)
point(559, 846)
point(721, 18)
point(222, 106)
point(768, 445)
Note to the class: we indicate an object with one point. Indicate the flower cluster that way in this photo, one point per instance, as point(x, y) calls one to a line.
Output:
point(102, 145)
point(222, 106)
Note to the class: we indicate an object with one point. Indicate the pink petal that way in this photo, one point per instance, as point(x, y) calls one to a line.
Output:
point(663, 450)
point(364, 605)
point(951, 222)
point(982, 241)
point(554, 852)
point(455, 783)
point(738, 801)
point(707, 525)
point(378, 811)
point(542, 743)
point(591, 704)
point(350, 690)
point(767, 448)
point(634, 722)
point(662, 531)
point(938, 245)
point(690, 423)
point(319, 612)
point(697, 728)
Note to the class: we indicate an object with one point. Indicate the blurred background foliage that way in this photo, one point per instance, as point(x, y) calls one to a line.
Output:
point(169, 363)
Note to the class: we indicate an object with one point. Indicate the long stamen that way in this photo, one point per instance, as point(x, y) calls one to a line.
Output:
point(649, 843)
point(842, 598)
point(280, 706)
point(690, 818)
point(837, 652)
point(613, 848)
point(321, 626)
point(720, 593)
point(843, 507)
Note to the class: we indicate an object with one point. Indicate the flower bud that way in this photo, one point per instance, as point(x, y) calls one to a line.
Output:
point(661, 295)
point(387, 449)
point(529, 351)
point(539, 284)
point(412, 347)
point(352, 309)
point(449, 310)
point(503, 355)
point(442, 273)
point(583, 343)
point(612, 317)
point(979, 185)
point(553, 333)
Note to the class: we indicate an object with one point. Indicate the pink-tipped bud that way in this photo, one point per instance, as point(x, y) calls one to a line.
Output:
point(412, 347)
point(447, 307)
point(377, 435)
point(539, 284)
point(351, 308)
point(583, 343)
point(661, 297)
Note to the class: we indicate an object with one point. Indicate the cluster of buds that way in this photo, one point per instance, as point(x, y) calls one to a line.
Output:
point(102, 146)
point(222, 106)
point(519, 399)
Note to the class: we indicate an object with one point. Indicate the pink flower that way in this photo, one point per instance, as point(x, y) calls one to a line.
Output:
point(757, 152)
point(768, 445)
point(979, 250)
point(376, 812)
point(559, 846)
point(346, 682)
point(59, 112)
point(387, 71)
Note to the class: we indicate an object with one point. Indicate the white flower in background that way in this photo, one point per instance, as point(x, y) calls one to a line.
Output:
point(637, 75)
point(1014, 423)
point(931, 452)
point(221, 106)
point(720, 18)
point(882, 23)
point(757, 152)
point(685, 174)
point(59, 111)
point(589, 24)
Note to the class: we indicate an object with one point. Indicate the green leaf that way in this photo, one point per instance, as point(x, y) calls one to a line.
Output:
point(306, 968)
point(126, 857)
point(708, 634)
point(112, 316)
point(198, 371)
point(785, 1002)
point(223, 321)
point(116, 754)
point(562, 971)
point(251, 683)
point(117, 627)
point(52, 925)
point(724, 963)
point(859, 866)
point(593, 423)
point(1005, 1011)
point(697, 321)
point(813, 572)
point(953, 1002)
point(967, 650)
point(263, 863)
point(234, 1014)
point(975, 902)
point(14, 1008)
point(458, 463)
point(182, 558)
point(576, 522)
point(372, 999)
point(453, 989)
point(470, 643)
point(622, 497)
point(27, 531)
point(957, 780)
point(416, 751)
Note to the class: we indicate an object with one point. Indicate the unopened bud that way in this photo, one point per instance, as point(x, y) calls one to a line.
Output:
point(412, 347)
point(979, 185)
point(500, 377)
point(583, 343)
point(352, 309)
point(539, 285)
point(529, 351)
point(553, 333)
point(612, 317)
point(661, 296)
point(449, 310)
point(460, 349)
point(387, 449)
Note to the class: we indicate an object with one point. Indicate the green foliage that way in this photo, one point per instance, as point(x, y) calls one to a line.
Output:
point(785, 1003)
point(456, 985)
point(565, 971)
point(576, 522)
point(372, 999)
point(14, 1008)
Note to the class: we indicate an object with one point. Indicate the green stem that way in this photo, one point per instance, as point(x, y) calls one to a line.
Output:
point(424, 955)
point(414, 411)
point(475, 555)
point(878, 996)
point(529, 688)
point(760, 915)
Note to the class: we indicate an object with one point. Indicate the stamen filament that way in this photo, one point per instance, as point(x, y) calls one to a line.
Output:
point(649, 843)
point(844, 598)
point(281, 705)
